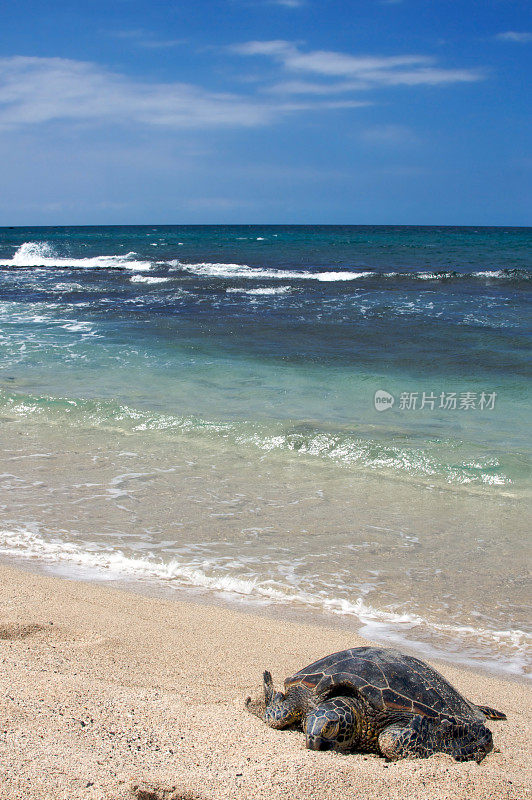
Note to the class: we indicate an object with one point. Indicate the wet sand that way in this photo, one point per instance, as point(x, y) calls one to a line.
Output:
point(108, 694)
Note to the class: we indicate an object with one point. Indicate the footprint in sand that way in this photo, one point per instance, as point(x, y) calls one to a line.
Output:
point(151, 791)
point(17, 631)
point(11, 631)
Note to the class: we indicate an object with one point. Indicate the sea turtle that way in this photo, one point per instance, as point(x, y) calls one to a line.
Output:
point(379, 700)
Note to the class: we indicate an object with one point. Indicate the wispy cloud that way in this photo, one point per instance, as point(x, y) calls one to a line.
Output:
point(38, 90)
point(282, 3)
point(288, 3)
point(324, 62)
point(389, 135)
point(41, 89)
point(156, 43)
point(345, 72)
point(515, 36)
point(142, 38)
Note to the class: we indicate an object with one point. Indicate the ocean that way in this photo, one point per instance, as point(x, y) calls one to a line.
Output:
point(328, 422)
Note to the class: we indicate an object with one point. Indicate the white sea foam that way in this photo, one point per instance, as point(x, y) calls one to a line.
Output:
point(28, 543)
point(493, 273)
point(12, 313)
point(265, 290)
point(452, 274)
point(222, 270)
point(391, 458)
point(68, 287)
point(341, 276)
point(83, 327)
point(42, 254)
point(147, 279)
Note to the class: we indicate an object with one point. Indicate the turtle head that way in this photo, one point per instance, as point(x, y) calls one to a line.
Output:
point(332, 725)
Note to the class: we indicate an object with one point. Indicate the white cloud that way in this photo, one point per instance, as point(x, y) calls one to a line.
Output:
point(39, 90)
point(274, 47)
point(323, 62)
point(35, 90)
point(426, 76)
point(515, 36)
point(357, 72)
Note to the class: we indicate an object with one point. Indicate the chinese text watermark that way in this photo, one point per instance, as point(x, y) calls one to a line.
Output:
point(430, 401)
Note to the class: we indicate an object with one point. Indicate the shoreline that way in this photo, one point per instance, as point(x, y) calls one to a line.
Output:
point(389, 560)
point(348, 624)
point(105, 689)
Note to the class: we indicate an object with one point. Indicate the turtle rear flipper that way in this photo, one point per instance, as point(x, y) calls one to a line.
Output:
point(492, 713)
point(423, 736)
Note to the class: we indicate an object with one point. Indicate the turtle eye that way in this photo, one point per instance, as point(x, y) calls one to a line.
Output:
point(330, 730)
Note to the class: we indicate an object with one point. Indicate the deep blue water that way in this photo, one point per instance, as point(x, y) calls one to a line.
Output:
point(300, 324)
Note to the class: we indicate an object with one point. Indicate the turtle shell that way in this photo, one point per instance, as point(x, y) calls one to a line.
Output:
point(389, 680)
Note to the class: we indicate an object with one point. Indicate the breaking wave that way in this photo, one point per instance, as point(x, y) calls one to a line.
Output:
point(260, 291)
point(42, 254)
point(396, 458)
point(147, 279)
point(112, 564)
point(239, 271)
point(215, 270)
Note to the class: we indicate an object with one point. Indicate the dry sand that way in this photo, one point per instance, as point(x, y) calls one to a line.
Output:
point(108, 694)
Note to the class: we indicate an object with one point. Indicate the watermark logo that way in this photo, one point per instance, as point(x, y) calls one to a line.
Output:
point(430, 401)
point(383, 400)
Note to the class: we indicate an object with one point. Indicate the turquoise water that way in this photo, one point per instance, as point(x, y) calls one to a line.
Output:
point(249, 358)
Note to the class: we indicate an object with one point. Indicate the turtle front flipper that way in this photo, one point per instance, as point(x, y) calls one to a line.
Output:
point(422, 736)
point(282, 710)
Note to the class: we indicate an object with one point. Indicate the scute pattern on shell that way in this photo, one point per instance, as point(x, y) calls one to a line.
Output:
point(388, 679)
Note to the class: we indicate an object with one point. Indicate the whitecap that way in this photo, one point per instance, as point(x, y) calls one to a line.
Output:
point(341, 276)
point(147, 279)
point(42, 254)
point(223, 270)
point(83, 327)
point(260, 291)
point(493, 273)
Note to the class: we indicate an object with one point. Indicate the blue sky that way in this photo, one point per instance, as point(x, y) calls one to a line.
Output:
point(280, 111)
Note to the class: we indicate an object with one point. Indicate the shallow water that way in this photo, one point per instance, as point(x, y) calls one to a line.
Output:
point(205, 419)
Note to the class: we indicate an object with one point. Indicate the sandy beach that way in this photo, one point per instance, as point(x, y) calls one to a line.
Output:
point(108, 694)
